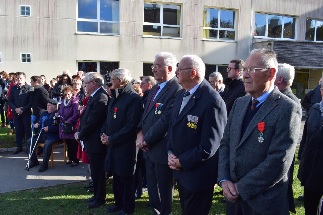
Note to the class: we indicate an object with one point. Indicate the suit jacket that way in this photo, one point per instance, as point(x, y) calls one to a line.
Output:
point(123, 116)
point(91, 122)
point(194, 137)
point(260, 168)
point(40, 99)
point(155, 121)
point(20, 96)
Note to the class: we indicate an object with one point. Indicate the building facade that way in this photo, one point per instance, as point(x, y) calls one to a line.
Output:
point(50, 36)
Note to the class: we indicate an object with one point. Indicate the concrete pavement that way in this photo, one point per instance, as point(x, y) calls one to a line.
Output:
point(14, 177)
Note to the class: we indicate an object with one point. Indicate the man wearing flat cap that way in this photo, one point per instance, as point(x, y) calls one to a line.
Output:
point(48, 126)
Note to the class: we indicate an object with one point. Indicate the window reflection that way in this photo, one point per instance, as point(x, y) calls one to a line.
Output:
point(260, 25)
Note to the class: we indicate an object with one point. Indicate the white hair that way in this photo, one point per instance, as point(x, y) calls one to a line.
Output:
point(267, 57)
point(195, 62)
point(169, 59)
point(94, 76)
point(287, 72)
point(217, 75)
point(123, 74)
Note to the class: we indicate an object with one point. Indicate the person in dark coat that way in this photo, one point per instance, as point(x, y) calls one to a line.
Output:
point(88, 134)
point(20, 101)
point(69, 115)
point(64, 81)
point(40, 96)
point(311, 158)
point(312, 97)
point(119, 134)
point(234, 87)
point(197, 124)
point(48, 122)
point(152, 138)
point(284, 80)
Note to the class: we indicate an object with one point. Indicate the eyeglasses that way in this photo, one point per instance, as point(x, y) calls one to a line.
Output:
point(178, 69)
point(230, 68)
point(156, 66)
point(253, 70)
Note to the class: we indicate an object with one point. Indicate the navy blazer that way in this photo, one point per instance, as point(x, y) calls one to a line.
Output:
point(52, 122)
point(194, 137)
point(155, 121)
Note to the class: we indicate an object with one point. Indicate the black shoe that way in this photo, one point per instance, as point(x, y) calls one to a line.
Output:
point(18, 150)
point(33, 164)
point(43, 168)
point(68, 162)
point(73, 164)
point(95, 204)
point(113, 209)
point(124, 213)
point(90, 200)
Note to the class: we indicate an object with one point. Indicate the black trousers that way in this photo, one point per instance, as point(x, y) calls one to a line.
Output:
point(311, 201)
point(124, 192)
point(23, 128)
point(240, 208)
point(98, 175)
point(72, 145)
point(160, 187)
point(193, 203)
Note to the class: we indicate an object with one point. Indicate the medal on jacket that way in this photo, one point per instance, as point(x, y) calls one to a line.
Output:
point(192, 121)
point(115, 110)
point(158, 107)
point(261, 128)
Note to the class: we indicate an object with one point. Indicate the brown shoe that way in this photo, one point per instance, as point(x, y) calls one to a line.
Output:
point(3, 125)
point(12, 132)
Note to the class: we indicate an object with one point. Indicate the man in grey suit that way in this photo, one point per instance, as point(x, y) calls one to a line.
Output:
point(259, 142)
point(152, 137)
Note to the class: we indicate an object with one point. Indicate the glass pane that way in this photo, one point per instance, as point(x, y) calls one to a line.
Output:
point(223, 70)
point(23, 57)
point(171, 14)
point(260, 25)
point(109, 10)
point(210, 34)
point(310, 29)
point(106, 67)
point(27, 13)
point(319, 30)
point(227, 35)
point(87, 9)
point(171, 32)
point(274, 26)
point(109, 28)
point(87, 26)
point(22, 10)
point(153, 30)
point(87, 66)
point(152, 13)
point(289, 27)
point(227, 19)
point(211, 19)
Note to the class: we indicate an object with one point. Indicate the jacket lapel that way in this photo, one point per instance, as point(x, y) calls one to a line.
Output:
point(263, 111)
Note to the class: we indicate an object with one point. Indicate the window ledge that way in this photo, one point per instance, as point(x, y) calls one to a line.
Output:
point(96, 34)
point(219, 40)
point(162, 37)
point(277, 39)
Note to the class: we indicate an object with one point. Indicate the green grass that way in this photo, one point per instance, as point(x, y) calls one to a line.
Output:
point(6, 141)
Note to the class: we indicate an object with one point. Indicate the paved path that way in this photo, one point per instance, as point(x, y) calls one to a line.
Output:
point(14, 177)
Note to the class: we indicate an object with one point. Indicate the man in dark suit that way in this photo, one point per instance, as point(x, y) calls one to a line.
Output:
point(259, 142)
point(197, 123)
point(89, 134)
point(40, 96)
point(119, 134)
point(152, 137)
point(20, 101)
point(284, 80)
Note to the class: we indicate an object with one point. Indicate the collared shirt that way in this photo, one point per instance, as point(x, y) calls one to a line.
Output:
point(161, 86)
point(95, 92)
point(187, 98)
point(264, 96)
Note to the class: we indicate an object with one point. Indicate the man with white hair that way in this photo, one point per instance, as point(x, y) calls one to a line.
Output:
point(216, 81)
point(197, 123)
point(152, 138)
point(119, 134)
point(259, 142)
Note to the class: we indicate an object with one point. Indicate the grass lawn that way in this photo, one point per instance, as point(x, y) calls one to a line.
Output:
point(68, 199)
point(6, 141)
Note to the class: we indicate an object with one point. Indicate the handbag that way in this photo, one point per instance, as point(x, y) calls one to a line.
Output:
point(67, 128)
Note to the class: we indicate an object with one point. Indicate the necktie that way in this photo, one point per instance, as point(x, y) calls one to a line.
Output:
point(187, 93)
point(152, 98)
point(254, 103)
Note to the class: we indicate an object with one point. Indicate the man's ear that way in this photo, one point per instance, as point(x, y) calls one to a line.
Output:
point(193, 74)
point(272, 73)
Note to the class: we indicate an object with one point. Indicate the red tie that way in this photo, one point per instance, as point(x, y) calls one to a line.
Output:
point(152, 98)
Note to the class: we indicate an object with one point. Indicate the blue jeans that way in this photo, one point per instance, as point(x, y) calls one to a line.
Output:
point(47, 147)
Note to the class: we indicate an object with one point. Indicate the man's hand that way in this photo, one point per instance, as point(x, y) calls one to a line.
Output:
point(18, 111)
point(105, 139)
point(36, 125)
point(46, 129)
point(173, 162)
point(230, 191)
point(76, 135)
point(140, 143)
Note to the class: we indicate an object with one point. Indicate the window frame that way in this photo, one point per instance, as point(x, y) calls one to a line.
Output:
point(219, 28)
point(21, 6)
point(97, 20)
point(160, 24)
point(283, 24)
point(315, 32)
point(21, 57)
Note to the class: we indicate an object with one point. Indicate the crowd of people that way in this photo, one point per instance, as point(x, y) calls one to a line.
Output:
point(175, 127)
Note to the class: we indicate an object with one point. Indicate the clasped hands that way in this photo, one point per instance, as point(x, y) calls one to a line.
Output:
point(140, 143)
point(230, 191)
point(19, 111)
point(36, 125)
point(173, 162)
point(105, 139)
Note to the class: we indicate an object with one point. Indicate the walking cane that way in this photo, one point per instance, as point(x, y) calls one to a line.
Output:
point(32, 119)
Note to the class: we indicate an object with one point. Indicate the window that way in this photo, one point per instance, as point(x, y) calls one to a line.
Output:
point(209, 68)
point(219, 24)
point(94, 66)
point(98, 16)
point(24, 10)
point(274, 26)
point(25, 58)
point(162, 20)
point(314, 30)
